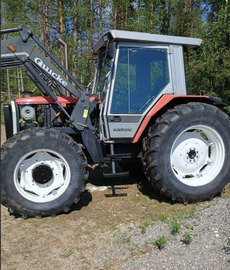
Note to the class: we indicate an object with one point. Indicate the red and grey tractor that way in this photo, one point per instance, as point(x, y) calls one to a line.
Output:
point(137, 114)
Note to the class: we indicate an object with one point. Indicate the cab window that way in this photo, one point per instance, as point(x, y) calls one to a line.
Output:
point(142, 73)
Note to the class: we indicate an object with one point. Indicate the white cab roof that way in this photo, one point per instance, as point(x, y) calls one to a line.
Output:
point(139, 37)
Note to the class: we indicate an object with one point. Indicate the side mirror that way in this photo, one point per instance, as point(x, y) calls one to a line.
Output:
point(110, 53)
point(89, 66)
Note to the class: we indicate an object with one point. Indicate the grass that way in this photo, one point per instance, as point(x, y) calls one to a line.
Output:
point(135, 208)
point(226, 193)
point(163, 218)
point(175, 227)
point(187, 238)
point(123, 239)
point(189, 227)
point(227, 248)
point(228, 243)
point(160, 243)
point(144, 227)
point(67, 253)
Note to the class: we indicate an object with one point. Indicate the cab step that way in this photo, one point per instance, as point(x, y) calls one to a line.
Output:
point(113, 160)
point(119, 174)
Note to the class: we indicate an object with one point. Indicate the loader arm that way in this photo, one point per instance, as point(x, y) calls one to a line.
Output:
point(22, 51)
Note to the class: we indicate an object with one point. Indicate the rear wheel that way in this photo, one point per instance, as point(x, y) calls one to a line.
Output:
point(188, 152)
point(43, 173)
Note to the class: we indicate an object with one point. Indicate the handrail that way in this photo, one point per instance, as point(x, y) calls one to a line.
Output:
point(11, 30)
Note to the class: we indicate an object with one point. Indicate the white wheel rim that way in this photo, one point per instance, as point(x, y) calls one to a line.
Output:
point(197, 155)
point(42, 175)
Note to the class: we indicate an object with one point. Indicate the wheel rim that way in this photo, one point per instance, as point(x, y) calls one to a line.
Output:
point(42, 175)
point(197, 155)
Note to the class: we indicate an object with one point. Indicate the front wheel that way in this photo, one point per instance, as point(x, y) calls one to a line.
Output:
point(188, 152)
point(43, 172)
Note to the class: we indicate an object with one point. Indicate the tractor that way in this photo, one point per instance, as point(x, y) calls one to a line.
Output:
point(137, 114)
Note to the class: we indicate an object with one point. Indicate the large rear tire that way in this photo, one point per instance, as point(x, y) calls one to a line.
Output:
point(43, 172)
point(188, 152)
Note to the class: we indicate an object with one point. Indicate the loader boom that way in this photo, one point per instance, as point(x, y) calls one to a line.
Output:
point(21, 51)
point(17, 51)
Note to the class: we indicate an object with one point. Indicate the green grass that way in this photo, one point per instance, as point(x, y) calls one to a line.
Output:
point(227, 247)
point(226, 193)
point(189, 227)
point(144, 227)
point(187, 238)
point(67, 253)
point(124, 238)
point(2, 115)
point(160, 243)
point(228, 242)
point(175, 227)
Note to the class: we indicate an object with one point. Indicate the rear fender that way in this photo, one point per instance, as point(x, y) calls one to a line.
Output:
point(168, 101)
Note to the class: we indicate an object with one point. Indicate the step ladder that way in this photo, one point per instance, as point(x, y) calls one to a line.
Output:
point(113, 158)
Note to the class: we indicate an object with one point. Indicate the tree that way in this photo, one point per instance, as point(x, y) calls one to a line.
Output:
point(81, 22)
point(61, 29)
point(44, 9)
point(211, 65)
point(75, 38)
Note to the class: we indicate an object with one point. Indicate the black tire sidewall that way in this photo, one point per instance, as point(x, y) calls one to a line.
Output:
point(42, 139)
point(169, 181)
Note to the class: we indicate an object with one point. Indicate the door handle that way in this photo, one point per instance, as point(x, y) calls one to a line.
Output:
point(115, 119)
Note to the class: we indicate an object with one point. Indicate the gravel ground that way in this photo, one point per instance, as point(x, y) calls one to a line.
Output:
point(209, 230)
point(75, 242)
point(132, 247)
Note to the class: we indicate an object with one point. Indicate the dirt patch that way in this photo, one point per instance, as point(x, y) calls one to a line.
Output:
point(71, 239)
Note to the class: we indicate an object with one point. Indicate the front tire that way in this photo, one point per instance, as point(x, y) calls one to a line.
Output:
point(188, 152)
point(43, 172)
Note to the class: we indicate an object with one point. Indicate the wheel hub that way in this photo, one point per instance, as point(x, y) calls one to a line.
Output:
point(42, 174)
point(192, 154)
point(197, 155)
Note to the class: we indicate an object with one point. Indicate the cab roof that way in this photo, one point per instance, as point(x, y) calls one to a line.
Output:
point(140, 37)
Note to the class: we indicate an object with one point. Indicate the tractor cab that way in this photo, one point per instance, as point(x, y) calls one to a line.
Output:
point(134, 70)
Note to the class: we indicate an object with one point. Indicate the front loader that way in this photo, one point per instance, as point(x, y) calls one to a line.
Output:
point(137, 115)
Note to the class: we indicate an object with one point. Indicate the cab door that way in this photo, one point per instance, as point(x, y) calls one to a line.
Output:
point(141, 77)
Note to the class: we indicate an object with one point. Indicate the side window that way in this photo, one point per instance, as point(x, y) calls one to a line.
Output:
point(102, 75)
point(142, 73)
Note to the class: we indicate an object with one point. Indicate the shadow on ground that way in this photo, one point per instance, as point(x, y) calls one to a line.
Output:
point(144, 186)
point(86, 198)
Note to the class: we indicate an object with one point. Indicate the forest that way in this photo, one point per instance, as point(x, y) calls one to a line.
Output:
point(80, 23)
